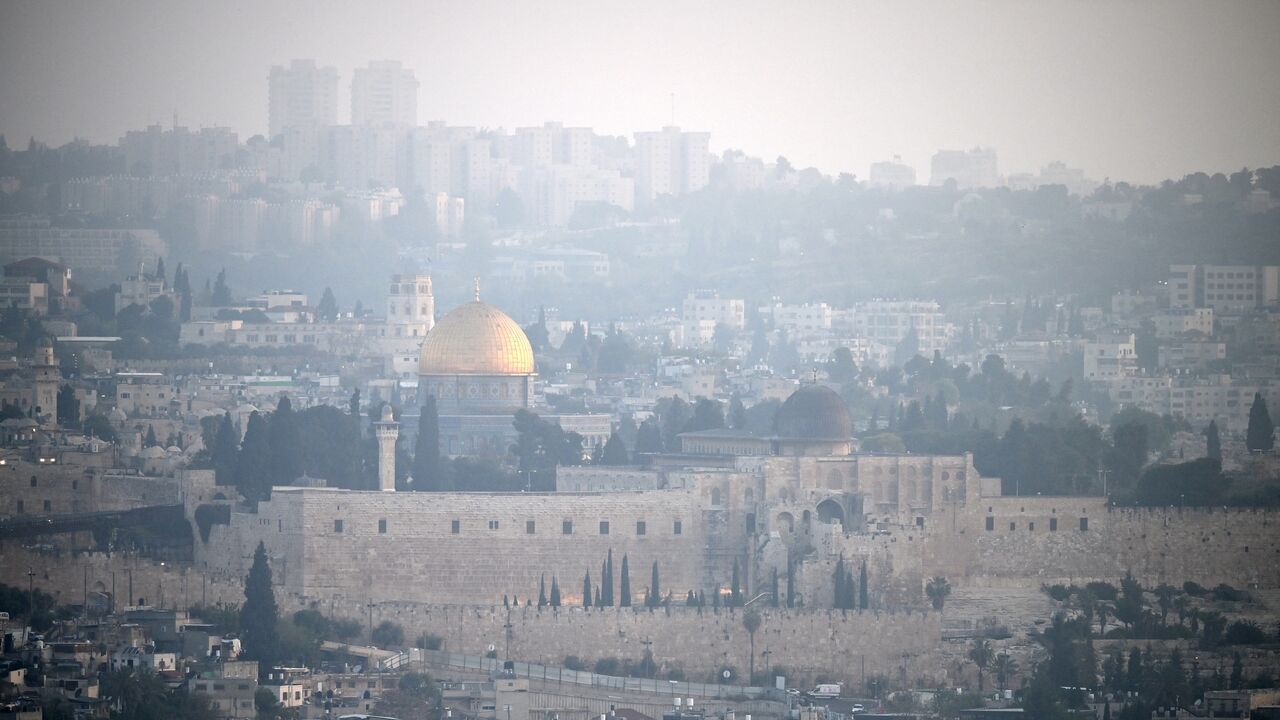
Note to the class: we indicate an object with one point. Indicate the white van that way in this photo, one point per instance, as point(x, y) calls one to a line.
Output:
point(826, 690)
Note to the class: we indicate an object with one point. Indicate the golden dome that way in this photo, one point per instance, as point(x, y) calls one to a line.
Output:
point(476, 339)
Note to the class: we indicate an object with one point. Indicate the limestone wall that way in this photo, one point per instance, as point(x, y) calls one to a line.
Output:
point(832, 643)
point(456, 547)
point(28, 488)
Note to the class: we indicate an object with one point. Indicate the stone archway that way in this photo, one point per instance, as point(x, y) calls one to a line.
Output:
point(830, 511)
point(785, 522)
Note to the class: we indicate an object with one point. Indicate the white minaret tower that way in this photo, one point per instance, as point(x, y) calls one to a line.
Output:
point(411, 308)
point(47, 379)
point(387, 430)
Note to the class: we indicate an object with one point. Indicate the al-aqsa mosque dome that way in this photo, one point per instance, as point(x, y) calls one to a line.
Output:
point(476, 359)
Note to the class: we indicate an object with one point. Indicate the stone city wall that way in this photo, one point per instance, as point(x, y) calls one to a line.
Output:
point(843, 646)
point(28, 488)
point(463, 547)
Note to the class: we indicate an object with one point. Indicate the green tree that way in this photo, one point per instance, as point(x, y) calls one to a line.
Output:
point(649, 437)
point(1213, 444)
point(863, 595)
point(708, 414)
point(615, 451)
point(285, 440)
point(221, 293)
point(328, 307)
point(1260, 436)
point(751, 621)
point(937, 590)
point(426, 455)
point(735, 587)
point(555, 592)
point(624, 588)
point(737, 413)
point(586, 590)
point(387, 635)
point(655, 587)
point(607, 580)
point(253, 464)
point(225, 451)
point(259, 614)
point(981, 655)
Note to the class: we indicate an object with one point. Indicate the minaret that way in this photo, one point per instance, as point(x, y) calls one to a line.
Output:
point(387, 430)
point(47, 379)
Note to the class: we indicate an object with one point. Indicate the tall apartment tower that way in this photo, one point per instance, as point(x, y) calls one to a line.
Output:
point(671, 162)
point(301, 95)
point(384, 93)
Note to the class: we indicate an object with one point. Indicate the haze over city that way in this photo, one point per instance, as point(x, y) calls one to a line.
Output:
point(604, 361)
point(1135, 91)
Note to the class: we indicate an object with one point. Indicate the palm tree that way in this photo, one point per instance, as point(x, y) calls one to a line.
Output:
point(751, 621)
point(981, 655)
point(1005, 668)
point(937, 589)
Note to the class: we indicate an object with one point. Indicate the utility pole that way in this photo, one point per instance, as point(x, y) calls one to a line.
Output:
point(31, 593)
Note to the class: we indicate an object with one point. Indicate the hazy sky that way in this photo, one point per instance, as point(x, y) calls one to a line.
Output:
point(1133, 90)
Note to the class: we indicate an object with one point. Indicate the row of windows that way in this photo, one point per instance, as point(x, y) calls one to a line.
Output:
point(530, 526)
point(22, 507)
point(1031, 526)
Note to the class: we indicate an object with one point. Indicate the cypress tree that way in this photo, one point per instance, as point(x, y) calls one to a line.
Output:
point(426, 452)
point(735, 589)
point(286, 444)
point(259, 613)
point(599, 602)
point(773, 588)
point(614, 452)
point(586, 590)
point(1213, 444)
point(691, 600)
point(655, 588)
point(542, 591)
point(150, 439)
point(791, 584)
point(555, 592)
point(850, 598)
point(608, 585)
point(837, 581)
point(226, 446)
point(624, 588)
point(253, 465)
point(1260, 436)
point(353, 406)
point(862, 587)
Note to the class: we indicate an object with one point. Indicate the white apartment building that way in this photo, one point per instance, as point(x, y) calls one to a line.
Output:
point(411, 307)
point(1225, 288)
point(671, 162)
point(450, 214)
point(1190, 355)
point(158, 152)
point(1198, 400)
point(892, 174)
point(384, 93)
point(144, 394)
point(976, 168)
point(301, 95)
point(1110, 356)
point(551, 194)
point(703, 310)
point(1177, 322)
point(83, 250)
point(804, 320)
point(888, 322)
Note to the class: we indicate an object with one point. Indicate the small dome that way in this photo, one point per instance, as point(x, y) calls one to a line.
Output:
point(476, 339)
point(814, 412)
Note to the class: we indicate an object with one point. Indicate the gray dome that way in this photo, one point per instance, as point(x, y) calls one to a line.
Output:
point(814, 412)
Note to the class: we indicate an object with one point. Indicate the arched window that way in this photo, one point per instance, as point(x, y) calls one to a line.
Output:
point(830, 512)
point(785, 522)
point(715, 496)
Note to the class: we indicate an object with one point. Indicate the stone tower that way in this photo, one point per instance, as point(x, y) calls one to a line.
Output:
point(411, 307)
point(387, 430)
point(47, 378)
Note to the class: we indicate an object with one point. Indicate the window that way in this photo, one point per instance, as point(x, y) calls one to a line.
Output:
point(919, 521)
point(640, 527)
point(382, 526)
point(1013, 526)
point(1084, 524)
point(566, 527)
point(677, 527)
point(1031, 526)
point(991, 524)
point(337, 526)
point(529, 527)
point(20, 507)
point(456, 527)
point(604, 527)
point(34, 482)
point(1053, 524)
point(493, 524)
point(75, 484)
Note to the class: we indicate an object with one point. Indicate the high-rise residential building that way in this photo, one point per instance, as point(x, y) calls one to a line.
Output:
point(703, 310)
point(178, 151)
point(671, 162)
point(384, 93)
point(889, 322)
point(974, 168)
point(301, 95)
point(892, 174)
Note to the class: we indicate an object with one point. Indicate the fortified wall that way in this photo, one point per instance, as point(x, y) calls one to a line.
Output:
point(461, 547)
